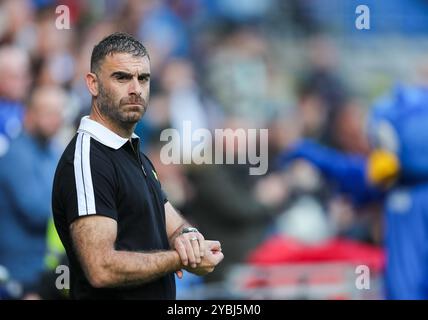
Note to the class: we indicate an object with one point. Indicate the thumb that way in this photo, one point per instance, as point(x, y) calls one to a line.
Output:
point(214, 245)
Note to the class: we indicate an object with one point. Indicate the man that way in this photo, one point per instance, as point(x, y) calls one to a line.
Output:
point(26, 175)
point(124, 240)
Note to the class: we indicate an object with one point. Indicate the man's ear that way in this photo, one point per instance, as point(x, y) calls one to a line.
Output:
point(92, 83)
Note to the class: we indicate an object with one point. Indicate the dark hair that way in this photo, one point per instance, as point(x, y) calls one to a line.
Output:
point(118, 42)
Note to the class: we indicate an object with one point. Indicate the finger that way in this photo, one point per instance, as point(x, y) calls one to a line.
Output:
point(195, 245)
point(201, 241)
point(181, 249)
point(214, 245)
point(190, 254)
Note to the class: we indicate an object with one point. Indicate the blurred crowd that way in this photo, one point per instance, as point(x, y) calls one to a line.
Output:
point(282, 65)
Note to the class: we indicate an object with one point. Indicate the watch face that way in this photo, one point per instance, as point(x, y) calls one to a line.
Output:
point(189, 229)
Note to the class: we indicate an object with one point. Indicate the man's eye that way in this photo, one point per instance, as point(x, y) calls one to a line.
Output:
point(122, 77)
point(143, 79)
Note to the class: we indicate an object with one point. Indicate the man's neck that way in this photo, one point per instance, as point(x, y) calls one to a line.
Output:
point(106, 122)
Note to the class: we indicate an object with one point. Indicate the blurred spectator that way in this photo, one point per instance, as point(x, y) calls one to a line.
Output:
point(16, 17)
point(160, 28)
point(240, 76)
point(236, 207)
point(349, 129)
point(26, 176)
point(321, 91)
point(14, 84)
point(185, 103)
point(53, 62)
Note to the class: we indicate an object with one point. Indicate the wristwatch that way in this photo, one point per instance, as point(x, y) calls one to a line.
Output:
point(189, 229)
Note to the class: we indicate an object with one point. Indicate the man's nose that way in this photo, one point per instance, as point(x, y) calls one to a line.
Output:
point(135, 87)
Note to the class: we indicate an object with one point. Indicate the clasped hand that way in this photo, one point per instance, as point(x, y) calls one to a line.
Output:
point(198, 256)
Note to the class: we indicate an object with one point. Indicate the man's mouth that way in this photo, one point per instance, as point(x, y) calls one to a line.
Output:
point(133, 106)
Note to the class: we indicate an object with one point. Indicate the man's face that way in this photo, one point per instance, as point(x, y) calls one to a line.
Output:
point(14, 76)
point(124, 87)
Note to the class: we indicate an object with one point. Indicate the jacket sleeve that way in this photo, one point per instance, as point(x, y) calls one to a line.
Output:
point(347, 171)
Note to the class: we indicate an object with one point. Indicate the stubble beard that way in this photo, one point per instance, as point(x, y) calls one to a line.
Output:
point(115, 111)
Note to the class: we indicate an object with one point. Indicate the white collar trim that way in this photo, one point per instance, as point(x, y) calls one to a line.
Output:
point(102, 134)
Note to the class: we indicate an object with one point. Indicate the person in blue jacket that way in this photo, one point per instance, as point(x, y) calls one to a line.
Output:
point(396, 172)
point(15, 79)
point(26, 177)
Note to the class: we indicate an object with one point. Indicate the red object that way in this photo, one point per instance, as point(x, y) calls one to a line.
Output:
point(280, 250)
point(76, 8)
